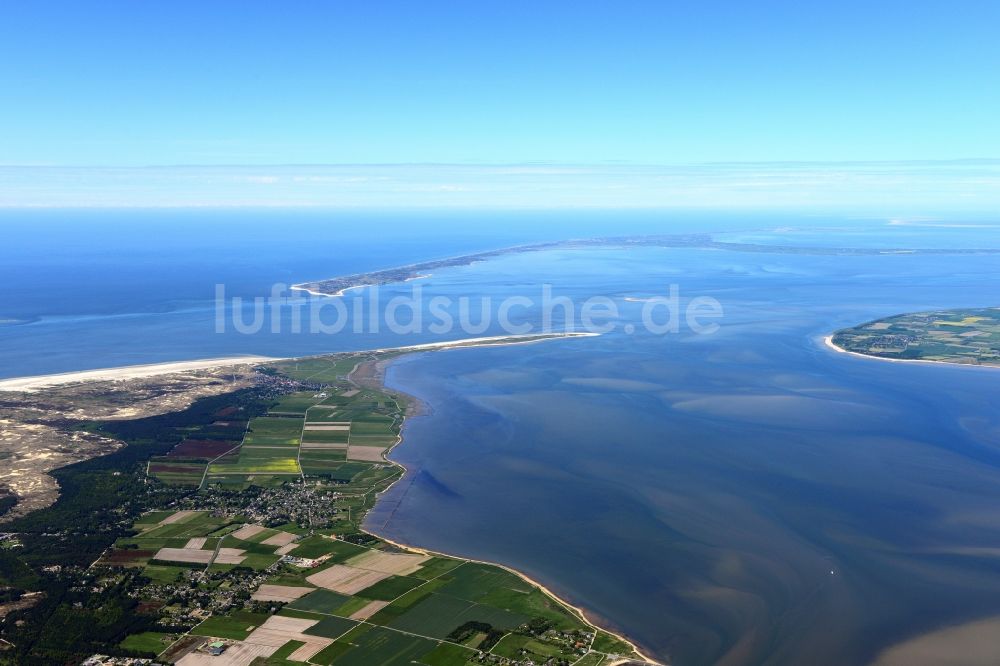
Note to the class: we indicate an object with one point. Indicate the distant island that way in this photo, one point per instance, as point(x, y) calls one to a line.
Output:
point(967, 336)
point(337, 286)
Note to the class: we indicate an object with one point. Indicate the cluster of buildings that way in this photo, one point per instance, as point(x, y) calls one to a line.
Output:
point(308, 505)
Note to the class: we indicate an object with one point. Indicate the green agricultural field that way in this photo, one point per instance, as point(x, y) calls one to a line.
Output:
point(539, 652)
point(320, 456)
point(265, 481)
point(374, 440)
point(259, 466)
point(163, 573)
point(373, 426)
point(373, 475)
point(198, 525)
point(255, 453)
point(605, 642)
point(351, 606)
point(474, 581)
point(385, 648)
point(249, 546)
point(274, 431)
point(148, 641)
point(407, 601)
point(326, 460)
point(327, 370)
point(259, 561)
point(259, 460)
point(331, 653)
point(438, 615)
point(325, 414)
point(328, 436)
point(230, 481)
point(285, 651)
point(435, 567)
point(318, 469)
point(533, 603)
point(236, 626)
point(317, 546)
point(259, 538)
point(390, 588)
point(330, 626)
point(345, 471)
point(141, 541)
point(447, 654)
point(320, 601)
point(296, 403)
point(152, 518)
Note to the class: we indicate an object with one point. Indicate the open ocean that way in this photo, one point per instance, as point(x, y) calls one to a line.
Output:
point(86, 289)
point(747, 494)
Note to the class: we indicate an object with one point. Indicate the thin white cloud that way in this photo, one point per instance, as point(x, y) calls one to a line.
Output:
point(906, 192)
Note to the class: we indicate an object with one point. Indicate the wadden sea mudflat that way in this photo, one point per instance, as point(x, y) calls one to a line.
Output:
point(747, 497)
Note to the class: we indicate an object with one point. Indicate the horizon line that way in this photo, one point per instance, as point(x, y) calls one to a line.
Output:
point(524, 163)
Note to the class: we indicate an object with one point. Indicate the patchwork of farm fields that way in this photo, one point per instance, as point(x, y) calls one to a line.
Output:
point(333, 595)
point(351, 603)
point(335, 434)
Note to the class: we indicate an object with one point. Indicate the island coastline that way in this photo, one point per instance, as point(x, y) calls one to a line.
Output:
point(968, 337)
point(829, 343)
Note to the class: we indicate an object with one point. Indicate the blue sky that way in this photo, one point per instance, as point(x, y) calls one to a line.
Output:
point(119, 84)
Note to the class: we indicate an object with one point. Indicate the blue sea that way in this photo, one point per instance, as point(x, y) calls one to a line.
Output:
point(741, 496)
point(88, 289)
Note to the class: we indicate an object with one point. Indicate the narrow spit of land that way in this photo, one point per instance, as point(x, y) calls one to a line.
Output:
point(338, 286)
point(961, 336)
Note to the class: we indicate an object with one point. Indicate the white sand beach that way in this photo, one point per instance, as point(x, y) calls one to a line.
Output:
point(828, 342)
point(337, 294)
point(124, 372)
point(141, 371)
point(492, 341)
